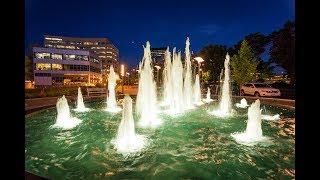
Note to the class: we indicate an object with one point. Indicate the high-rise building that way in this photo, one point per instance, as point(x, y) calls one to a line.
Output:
point(53, 66)
point(157, 55)
point(103, 49)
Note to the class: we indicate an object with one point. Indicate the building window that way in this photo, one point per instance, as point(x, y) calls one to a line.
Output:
point(70, 47)
point(56, 66)
point(56, 56)
point(60, 46)
point(88, 43)
point(102, 56)
point(102, 52)
point(81, 58)
point(43, 66)
point(69, 56)
point(42, 55)
point(101, 48)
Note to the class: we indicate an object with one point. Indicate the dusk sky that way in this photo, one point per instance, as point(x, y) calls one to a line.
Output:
point(129, 24)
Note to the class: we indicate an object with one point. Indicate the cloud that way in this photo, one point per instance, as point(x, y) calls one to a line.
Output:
point(209, 29)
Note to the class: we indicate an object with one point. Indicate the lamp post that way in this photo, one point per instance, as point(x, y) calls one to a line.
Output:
point(122, 75)
point(158, 68)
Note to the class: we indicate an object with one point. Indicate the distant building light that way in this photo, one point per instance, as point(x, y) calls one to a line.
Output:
point(55, 39)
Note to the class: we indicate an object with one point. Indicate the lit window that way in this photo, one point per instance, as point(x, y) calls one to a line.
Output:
point(56, 56)
point(70, 47)
point(60, 46)
point(88, 43)
point(102, 52)
point(70, 56)
point(102, 56)
point(43, 66)
point(42, 55)
point(101, 48)
point(56, 66)
point(48, 45)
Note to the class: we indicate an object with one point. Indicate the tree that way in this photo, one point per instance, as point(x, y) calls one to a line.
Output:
point(282, 50)
point(214, 56)
point(264, 69)
point(28, 70)
point(243, 64)
point(256, 41)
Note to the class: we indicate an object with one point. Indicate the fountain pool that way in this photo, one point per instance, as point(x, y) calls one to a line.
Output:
point(195, 145)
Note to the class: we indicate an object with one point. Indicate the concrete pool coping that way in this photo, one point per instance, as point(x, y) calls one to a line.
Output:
point(36, 104)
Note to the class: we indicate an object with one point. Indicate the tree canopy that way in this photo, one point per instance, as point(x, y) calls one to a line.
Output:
point(243, 64)
point(214, 56)
point(282, 50)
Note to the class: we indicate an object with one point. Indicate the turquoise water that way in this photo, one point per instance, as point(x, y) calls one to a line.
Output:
point(195, 145)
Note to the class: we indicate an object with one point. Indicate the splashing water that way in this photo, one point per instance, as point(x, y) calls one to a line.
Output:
point(146, 98)
point(111, 98)
point(243, 103)
point(127, 141)
point(208, 98)
point(80, 103)
point(253, 133)
point(197, 92)
point(187, 86)
point(177, 105)
point(271, 118)
point(167, 80)
point(225, 102)
point(64, 119)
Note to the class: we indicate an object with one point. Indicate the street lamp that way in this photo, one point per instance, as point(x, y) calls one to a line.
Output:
point(158, 68)
point(122, 74)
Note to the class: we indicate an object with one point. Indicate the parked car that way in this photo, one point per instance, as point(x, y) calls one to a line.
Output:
point(259, 89)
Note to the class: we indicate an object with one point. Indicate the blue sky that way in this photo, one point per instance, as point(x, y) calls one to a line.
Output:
point(129, 24)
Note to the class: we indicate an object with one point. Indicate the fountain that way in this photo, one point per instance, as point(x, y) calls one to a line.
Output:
point(80, 104)
point(64, 119)
point(208, 98)
point(187, 88)
point(146, 98)
point(111, 98)
point(253, 133)
point(271, 118)
point(197, 92)
point(243, 103)
point(127, 141)
point(177, 105)
point(225, 102)
point(167, 80)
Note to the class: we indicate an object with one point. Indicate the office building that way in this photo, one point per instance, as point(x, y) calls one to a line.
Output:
point(54, 66)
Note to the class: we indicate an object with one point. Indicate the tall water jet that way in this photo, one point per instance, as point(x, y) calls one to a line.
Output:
point(225, 101)
point(127, 141)
point(167, 80)
point(111, 98)
point(197, 91)
point(177, 105)
point(208, 97)
point(64, 119)
point(187, 84)
point(253, 133)
point(80, 103)
point(146, 107)
point(243, 103)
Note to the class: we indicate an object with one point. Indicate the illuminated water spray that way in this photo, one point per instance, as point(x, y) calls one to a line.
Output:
point(225, 101)
point(80, 103)
point(146, 98)
point(253, 133)
point(208, 97)
point(197, 92)
point(111, 98)
point(243, 103)
point(64, 119)
point(127, 141)
point(187, 84)
point(177, 105)
point(167, 80)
